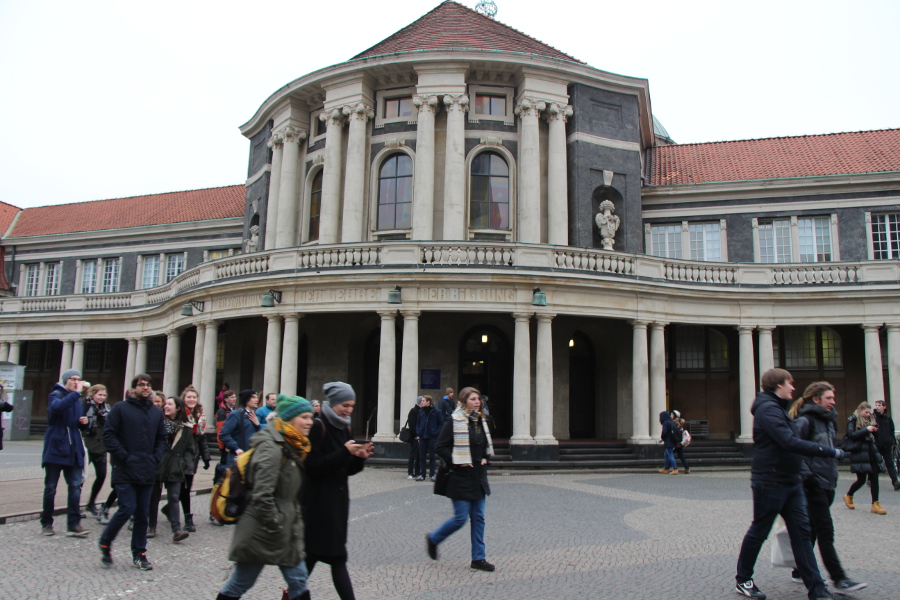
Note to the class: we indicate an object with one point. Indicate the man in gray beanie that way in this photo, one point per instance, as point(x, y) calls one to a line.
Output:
point(64, 451)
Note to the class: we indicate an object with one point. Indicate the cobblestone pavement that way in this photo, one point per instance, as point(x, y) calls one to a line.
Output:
point(568, 536)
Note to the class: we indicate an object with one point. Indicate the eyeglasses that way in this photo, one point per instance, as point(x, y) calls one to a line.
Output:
point(142, 384)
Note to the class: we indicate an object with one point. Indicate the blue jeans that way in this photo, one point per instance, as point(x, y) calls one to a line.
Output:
point(244, 575)
point(789, 501)
point(74, 479)
point(474, 510)
point(669, 456)
point(134, 500)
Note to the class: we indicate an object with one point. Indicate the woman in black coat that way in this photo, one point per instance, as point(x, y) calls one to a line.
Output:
point(197, 422)
point(465, 443)
point(864, 457)
point(324, 496)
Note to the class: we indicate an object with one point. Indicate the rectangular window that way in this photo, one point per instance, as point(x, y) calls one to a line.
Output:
point(815, 239)
point(32, 279)
point(490, 105)
point(398, 107)
point(151, 272)
point(886, 236)
point(705, 241)
point(800, 348)
point(775, 241)
point(217, 254)
point(174, 266)
point(665, 240)
point(689, 347)
point(220, 353)
point(34, 356)
point(51, 278)
point(110, 275)
point(89, 277)
point(93, 355)
point(156, 354)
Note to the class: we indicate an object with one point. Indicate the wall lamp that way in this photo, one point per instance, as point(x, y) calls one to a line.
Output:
point(270, 298)
point(394, 296)
point(188, 309)
point(539, 298)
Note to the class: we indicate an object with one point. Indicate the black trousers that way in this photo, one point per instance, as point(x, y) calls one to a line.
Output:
point(888, 455)
point(413, 465)
point(818, 505)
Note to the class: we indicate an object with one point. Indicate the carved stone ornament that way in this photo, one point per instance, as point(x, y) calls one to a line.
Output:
point(332, 117)
point(276, 140)
point(528, 107)
point(319, 159)
point(293, 135)
point(558, 112)
point(394, 143)
point(252, 243)
point(491, 141)
point(424, 103)
point(607, 224)
point(358, 111)
point(460, 102)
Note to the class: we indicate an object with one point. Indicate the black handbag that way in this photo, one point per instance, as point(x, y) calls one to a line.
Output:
point(405, 435)
point(442, 479)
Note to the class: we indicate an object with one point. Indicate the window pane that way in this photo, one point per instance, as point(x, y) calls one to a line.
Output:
point(481, 164)
point(689, 347)
point(404, 189)
point(89, 277)
point(51, 280)
point(151, 271)
point(110, 275)
point(391, 108)
point(498, 106)
point(766, 243)
point(499, 166)
point(832, 354)
point(404, 165)
point(782, 240)
point(704, 241)
point(800, 347)
point(499, 215)
point(478, 215)
point(174, 266)
point(404, 215)
point(405, 107)
point(489, 193)
point(315, 205)
point(479, 104)
point(718, 351)
point(389, 169)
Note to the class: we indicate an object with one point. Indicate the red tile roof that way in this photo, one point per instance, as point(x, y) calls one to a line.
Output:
point(8, 212)
point(777, 158)
point(137, 211)
point(452, 25)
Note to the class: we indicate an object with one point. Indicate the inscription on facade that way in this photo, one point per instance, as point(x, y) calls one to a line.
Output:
point(346, 295)
point(466, 295)
point(237, 302)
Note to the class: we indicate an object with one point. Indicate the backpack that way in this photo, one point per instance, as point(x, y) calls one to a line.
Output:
point(686, 438)
point(230, 498)
point(677, 434)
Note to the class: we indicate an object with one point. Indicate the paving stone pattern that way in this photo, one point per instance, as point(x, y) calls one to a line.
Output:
point(568, 536)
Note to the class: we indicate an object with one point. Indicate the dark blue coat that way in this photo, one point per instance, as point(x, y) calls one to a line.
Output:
point(237, 431)
point(135, 437)
point(429, 423)
point(62, 439)
point(668, 426)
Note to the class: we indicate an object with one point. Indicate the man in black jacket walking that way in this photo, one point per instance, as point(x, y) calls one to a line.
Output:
point(885, 440)
point(135, 437)
point(777, 489)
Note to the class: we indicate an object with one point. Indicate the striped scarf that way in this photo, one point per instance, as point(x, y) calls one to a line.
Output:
point(461, 452)
point(293, 437)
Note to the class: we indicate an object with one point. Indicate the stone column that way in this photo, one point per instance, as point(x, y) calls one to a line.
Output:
point(529, 172)
point(129, 362)
point(208, 380)
point(423, 194)
point(271, 374)
point(14, 352)
point(455, 168)
point(276, 143)
point(330, 212)
point(387, 364)
point(543, 382)
point(893, 349)
point(65, 362)
point(557, 174)
point(766, 353)
point(286, 228)
point(173, 363)
point(4, 351)
point(290, 355)
point(746, 382)
point(355, 175)
point(874, 369)
point(140, 356)
point(657, 373)
point(78, 355)
point(409, 360)
point(640, 385)
point(521, 433)
point(197, 372)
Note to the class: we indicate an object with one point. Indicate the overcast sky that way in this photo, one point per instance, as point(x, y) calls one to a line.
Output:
point(106, 99)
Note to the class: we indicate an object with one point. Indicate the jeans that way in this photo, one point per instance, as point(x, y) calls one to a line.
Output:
point(669, 456)
point(474, 510)
point(426, 453)
point(788, 500)
point(819, 506)
point(173, 493)
point(134, 499)
point(74, 479)
point(679, 452)
point(244, 575)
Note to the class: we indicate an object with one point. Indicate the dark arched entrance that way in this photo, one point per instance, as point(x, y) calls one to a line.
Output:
point(485, 363)
point(582, 396)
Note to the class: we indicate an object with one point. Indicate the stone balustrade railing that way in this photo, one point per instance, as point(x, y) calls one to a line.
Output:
point(474, 255)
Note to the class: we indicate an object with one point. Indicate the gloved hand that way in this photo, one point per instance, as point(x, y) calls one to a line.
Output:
point(206, 464)
point(839, 454)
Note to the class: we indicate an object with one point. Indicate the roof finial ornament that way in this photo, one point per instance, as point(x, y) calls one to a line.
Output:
point(487, 8)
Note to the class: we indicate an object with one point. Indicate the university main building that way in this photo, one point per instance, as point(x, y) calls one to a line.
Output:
point(463, 205)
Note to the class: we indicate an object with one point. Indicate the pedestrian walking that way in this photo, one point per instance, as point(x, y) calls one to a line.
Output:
point(885, 440)
point(240, 426)
point(413, 465)
point(4, 407)
point(196, 420)
point(270, 532)
point(668, 439)
point(777, 487)
point(229, 399)
point(263, 412)
point(428, 428)
point(447, 404)
point(325, 497)
point(817, 422)
point(679, 448)
point(177, 460)
point(95, 410)
point(465, 443)
point(865, 460)
point(64, 451)
point(135, 437)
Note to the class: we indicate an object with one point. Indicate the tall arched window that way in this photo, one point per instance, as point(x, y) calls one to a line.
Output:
point(489, 208)
point(315, 206)
point(395, 192)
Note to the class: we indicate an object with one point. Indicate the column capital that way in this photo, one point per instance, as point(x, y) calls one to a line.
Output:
point(530, 107)
point(359, 111)
point(292, 135)
point(545, 317)
point(745, 329)
point(558, 112)
point(638, 324)
point(657, 325)
point(870, 327)
point(425, 103)
point(275, 140)
point(892, 326)
point(768, 328)
point(522, 316)
point(213, 323)
point(174, 332)
point(292, 317)
point(387, 315)
point(410, 314)
point(332, 117)
point(456, 103)
point(273, 318)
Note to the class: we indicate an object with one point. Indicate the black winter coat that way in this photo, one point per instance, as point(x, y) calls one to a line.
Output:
point(777, 443)
point(325, 496)
point(884, 437)
point(815, 424)
point(412, 419)
point(4, 407)
point(465, 483)
point(864, 456)
point(668, 426)
point(135, 437)
point(178, 457)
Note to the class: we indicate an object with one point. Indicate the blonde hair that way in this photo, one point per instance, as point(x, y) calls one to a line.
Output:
point(862, 421)
point(94, 389)
point(197, 412)
point(812, 391)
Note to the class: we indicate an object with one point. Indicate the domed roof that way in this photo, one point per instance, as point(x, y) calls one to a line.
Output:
point(660, 132)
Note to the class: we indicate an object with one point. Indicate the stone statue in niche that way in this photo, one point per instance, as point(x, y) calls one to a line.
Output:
point(252, 244)
point(607, 224)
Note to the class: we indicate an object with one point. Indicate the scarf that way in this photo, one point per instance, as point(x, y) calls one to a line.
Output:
point(462, 454)
point(197, 425)
point(862, 423)
point(293, 437)
point(333, 418)
point(171, 427)
point(96, 414)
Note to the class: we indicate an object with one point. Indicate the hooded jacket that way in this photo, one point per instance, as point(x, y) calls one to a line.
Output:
point(815, 424)
point(135, 438)
point(778, 446)
point(62, 438)
point(668, 426)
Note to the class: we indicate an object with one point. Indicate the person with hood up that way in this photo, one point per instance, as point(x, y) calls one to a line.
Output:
point(668, 428)
point(240, 426)
point(64, 451)
point(777, 487)
point(428, 428)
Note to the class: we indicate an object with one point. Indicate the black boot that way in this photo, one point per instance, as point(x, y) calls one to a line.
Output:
point(189, 523)
point(222, 596)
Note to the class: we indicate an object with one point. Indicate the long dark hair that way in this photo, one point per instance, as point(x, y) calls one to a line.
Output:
point(180, 415)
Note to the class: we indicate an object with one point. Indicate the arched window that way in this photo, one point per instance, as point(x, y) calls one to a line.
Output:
point(395, 191)
point(315, 206)
point(489, 208)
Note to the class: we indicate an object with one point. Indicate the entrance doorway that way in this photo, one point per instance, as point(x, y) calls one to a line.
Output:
point(582, 392)
point(485, 363)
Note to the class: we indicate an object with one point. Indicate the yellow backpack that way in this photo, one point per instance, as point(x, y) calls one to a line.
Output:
point(229, 499)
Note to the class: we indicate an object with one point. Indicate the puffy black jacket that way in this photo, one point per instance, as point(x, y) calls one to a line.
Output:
point(817, 425)
point(135, 438)
point(884, 437)
point(778, 446)
point(864, 458)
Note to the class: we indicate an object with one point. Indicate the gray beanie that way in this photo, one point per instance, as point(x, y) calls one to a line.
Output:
point(338, 392)
point(69, 373)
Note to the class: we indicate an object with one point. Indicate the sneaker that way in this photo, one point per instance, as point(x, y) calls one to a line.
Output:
point(431, 548)
point(151, 532)
point(749, 589)
point(106, 556)
point(141, 562)
point(93, 510)
point(410, 477)
point(825, 595)
point(481, 565)
point(420, 478)
point(431, 478)
point(848, 585)
point(77, 531)
point(179, 535)
point(795, 576)
point(47, 530)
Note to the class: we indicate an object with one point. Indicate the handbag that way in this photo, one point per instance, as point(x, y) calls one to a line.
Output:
point(782, 552)
point(442, 479)
point(849, 445)
point(405, 435)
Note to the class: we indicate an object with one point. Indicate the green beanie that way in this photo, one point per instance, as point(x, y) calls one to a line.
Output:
point(289, 407)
